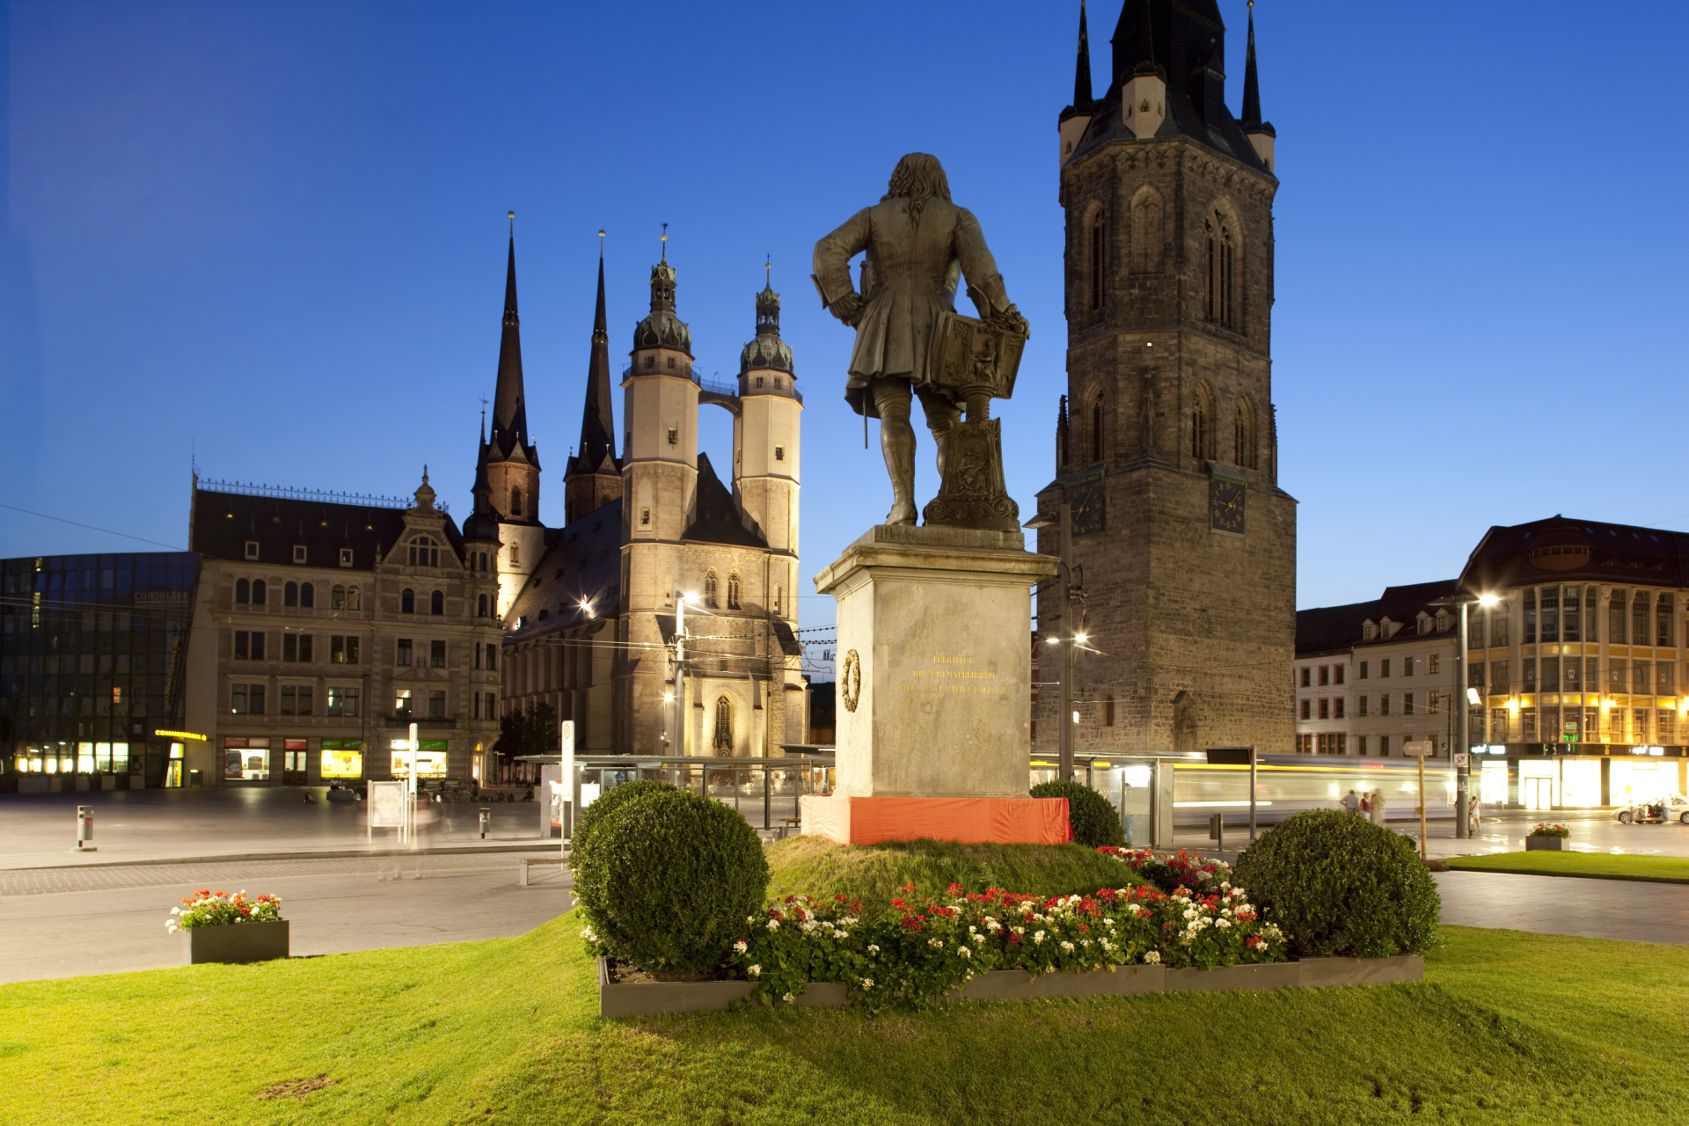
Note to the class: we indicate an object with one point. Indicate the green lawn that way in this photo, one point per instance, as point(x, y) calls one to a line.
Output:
point(1508, 1028)
point(1595, 865)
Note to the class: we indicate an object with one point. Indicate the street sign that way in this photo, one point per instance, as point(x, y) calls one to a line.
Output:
point(1460, 762)
point(1569, 737)
point(1416, 748)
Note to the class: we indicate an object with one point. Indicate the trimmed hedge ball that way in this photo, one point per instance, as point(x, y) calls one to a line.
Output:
point(1093, 820)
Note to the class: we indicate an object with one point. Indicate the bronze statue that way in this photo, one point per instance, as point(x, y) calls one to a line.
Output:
point(910, 341)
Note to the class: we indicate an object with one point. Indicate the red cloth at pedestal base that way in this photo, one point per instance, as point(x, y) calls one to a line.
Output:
point(865, 821)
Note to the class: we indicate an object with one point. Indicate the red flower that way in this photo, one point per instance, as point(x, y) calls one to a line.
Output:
point(1014, 939)
point(953, 889)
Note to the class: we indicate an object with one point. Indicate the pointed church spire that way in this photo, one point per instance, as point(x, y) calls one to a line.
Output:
point(1082, 66)
point(510, 410)
point(1251, 81)
point(598, 423)
point(1134, 41)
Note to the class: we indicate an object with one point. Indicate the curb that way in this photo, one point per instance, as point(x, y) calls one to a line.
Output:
point(310, 854)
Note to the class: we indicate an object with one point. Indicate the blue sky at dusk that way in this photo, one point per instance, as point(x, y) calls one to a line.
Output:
point(271, 237)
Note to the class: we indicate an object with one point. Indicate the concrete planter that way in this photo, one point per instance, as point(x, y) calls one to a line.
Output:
point(1545, 844)
point(1225, 979)
point(1362, 971)
point(237, 942)
point(1018, 985)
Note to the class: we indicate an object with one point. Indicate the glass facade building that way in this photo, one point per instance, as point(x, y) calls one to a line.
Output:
point(92, 658)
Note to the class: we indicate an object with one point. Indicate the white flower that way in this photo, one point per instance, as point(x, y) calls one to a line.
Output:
point(753, 971)
point(1067, 947)
point(1038, 938)
point(741, 946)
point(872, 949)
point(1153, 958)
point(841, 934)
point(788, 998)
point(867, 983)
point(964, 952)
point(750, 918)
point(774, 924)
point(1223, 923)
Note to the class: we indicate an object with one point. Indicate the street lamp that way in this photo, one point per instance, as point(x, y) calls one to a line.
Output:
point(682, 599)
point(1463, 696)
point(1073, 591)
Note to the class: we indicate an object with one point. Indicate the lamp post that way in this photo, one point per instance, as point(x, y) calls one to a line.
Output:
point(1072, 585)
point(1463, 748)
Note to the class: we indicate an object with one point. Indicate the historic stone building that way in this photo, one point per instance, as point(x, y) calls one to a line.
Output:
point(1166, 449)
point(323, 628)
point(592, 625)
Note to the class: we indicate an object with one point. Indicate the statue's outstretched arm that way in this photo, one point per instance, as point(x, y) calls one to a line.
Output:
point(832, 267)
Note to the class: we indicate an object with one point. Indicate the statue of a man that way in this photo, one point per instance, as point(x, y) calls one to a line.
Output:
point(917, 244)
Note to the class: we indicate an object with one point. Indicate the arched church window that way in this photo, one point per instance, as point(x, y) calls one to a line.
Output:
point(722, 743)
point(515, 500)
point(1219, 301)
point(1098, 265)
point(712, 589)
point(1243, 436)
point(733, 591)
point(1097, 427)
point(1146, 231)
point(1202, 423)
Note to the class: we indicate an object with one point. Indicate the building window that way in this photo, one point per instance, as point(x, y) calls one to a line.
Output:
point(437, 603)
point(733, 591)
point(407, 601)
point(299, 553)
point(1337, 674)
point(436, 654)
point(1407, 703)
point(243, 592)
point(1307, 676)
point(424, 552)
point(343, 649)
point(711, 589)
point(345, 557)
point(1243, 436)
point(1099, 261)
point(1108, 710)
point(1383, 703)
point(1202, 423)
point(1363, 670)
point(246, 699)
point(1097, 429)
point(307, 596)
point(402, 653)
point(259, 592)
point(1325, 675)
point(251, 549)
point(343, 701)
point(723, 741)
point(515, 500)
point(249, 645)
point(1384, 745)
point(1307, 709)
point(296, 699)
point(1663, 633)
point(290, 594)
point(1337, 708)
point(674, 436)
point(1361, 705)
point(1325, 707)
point(402, 702)
point(645, 518)
point(1384, 668)
point(1407, 666)
point(1434, 663)
point(296, 647)
point(492, 655)
point(436, 705)
point(779, 453)
point(483, 606)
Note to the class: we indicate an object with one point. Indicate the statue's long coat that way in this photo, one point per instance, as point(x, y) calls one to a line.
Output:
point(915, 251)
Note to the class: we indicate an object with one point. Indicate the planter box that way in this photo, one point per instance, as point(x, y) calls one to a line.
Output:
point(1362, 971)
point(1225, 979)
point(237, 942)
point(1018, 985)
point(1545, 844)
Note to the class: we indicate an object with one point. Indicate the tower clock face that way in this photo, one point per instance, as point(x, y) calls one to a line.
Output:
point(1225, 505)
point(1087, 508)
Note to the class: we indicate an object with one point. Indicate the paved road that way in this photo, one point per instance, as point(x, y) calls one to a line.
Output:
point(1638, 912)
point(67, 922)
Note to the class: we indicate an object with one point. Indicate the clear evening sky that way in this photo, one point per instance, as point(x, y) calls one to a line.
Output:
point(271, 237)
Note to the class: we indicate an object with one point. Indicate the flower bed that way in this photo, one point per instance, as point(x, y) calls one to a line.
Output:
point(230, 928)
point(219, 908)
point(1546, 829)
point(924, 948)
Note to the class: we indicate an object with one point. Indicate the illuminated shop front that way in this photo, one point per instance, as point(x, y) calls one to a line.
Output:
point(342, 760)
point(246, 759)
point(429, 758)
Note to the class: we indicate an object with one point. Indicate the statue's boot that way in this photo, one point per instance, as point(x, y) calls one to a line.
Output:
point(902, 510)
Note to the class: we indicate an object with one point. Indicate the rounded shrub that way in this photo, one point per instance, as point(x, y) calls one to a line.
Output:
point(1339, 885)
point(675, 876)
point(1093, 820)
point(586, 874)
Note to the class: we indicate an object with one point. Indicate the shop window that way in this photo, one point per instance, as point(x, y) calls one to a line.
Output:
point(246, 760)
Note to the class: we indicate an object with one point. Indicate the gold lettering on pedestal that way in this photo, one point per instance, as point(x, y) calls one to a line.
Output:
point(951, 676)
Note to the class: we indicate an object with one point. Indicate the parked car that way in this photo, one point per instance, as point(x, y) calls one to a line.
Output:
point(1671, 807)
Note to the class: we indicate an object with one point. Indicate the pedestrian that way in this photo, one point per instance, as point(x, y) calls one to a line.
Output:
point(1475, 814)
point(1378, 807)
point(1351, 801)
point(1366, 804)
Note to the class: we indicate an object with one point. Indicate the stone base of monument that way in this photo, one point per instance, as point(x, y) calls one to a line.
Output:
point(877, 820)
point(934, 683)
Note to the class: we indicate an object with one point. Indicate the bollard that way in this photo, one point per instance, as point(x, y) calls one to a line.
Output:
point(1217, 831)
point(486, 820)
point(85, 829)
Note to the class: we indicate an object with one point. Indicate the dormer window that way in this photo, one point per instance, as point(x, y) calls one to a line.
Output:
point(251, 549)
point(299, 553)
point(424, 552)
point(345, 557)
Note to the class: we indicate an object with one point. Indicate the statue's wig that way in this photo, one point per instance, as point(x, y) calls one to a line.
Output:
point(918, 176)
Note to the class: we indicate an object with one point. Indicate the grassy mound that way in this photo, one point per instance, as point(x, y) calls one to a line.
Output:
point(1508, 1028)
point(811, 866)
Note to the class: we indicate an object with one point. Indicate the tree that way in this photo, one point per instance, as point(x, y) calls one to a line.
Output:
point(526, 732)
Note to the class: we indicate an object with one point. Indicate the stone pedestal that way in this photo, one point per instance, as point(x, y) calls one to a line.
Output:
point(934, 674)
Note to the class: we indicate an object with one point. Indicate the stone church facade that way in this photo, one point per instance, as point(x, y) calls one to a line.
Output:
point(591, 620)
point(1183, 542)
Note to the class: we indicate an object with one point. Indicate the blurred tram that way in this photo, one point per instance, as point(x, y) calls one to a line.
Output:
point(1285, 784)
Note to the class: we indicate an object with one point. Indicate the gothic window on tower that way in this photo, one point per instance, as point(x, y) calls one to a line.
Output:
point(723, 741)
point(1202, 423)
point(1097, 427)
point(1220, 253)
point(1244, 454)
point(1146, 231)
point(1097, 264)
point(712, 588)
point(515, 500)
point(733, 591)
